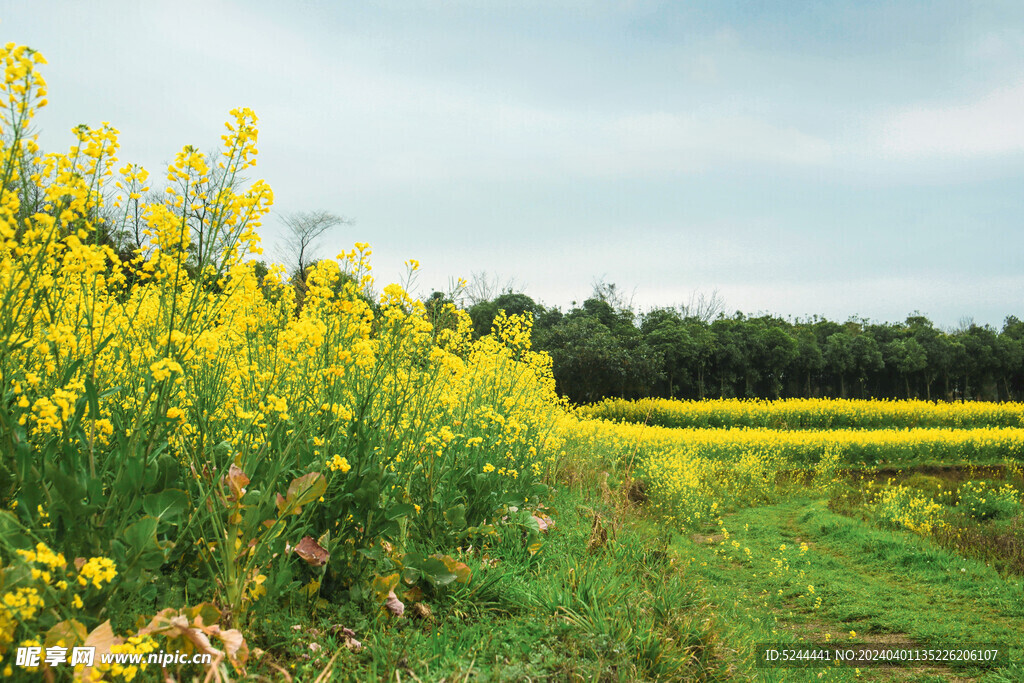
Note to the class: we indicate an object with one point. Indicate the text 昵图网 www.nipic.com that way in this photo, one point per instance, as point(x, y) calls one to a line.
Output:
point(55, 656)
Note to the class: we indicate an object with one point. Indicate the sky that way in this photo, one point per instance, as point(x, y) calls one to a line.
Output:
point(843, 159)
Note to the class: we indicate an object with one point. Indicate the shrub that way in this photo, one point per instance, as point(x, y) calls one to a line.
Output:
point(982, 500)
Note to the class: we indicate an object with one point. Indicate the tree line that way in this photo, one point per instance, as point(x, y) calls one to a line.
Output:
point(604, 348)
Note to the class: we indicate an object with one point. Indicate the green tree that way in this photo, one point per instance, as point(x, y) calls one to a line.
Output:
point(666, 333)
point(839, 357)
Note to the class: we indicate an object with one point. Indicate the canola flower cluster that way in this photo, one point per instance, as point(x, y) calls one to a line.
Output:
point(984, 500)
point(925, 512)
point(39, 586)
point(134, 645)
point(910, 509)
point(147, 373)
point(139, 389)
point(809, 413)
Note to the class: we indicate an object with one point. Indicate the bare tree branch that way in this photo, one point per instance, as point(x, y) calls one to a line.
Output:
point(483, 287)
point(305, 228)
point(703, 306)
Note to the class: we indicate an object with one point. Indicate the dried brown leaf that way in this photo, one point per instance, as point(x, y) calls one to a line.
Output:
point(312, 552)
point(236, 481)
point(544, 523)
point(394, 605)
point(347, 637)
point(102, 638)
point(421, 611)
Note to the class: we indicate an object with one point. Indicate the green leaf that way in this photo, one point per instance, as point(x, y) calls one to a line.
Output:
point(142, 533)
point(70, 372)
point(70, 489)
point(399, 510)
point(539, 490)
point(456, 517)
point(143, 547)
point(167, 505)
point(11, 530)
point(103, 344)
point(93, 398)
point(373, 553)
point(436, 572)
point(413, 558)
point(411, 575)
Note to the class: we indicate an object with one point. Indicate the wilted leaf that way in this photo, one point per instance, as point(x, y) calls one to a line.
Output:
point(174, 624)
point(204, 612)
point(461, 570)
point(302, 491)
point(171, 624)
point(385, 585)
point(312, 552)
point(543, 522)
point(394, 605)
point(421, 611)
point(436, 571)
point(347, 637)
point(102, 638)
point(282, 505)
point(70, 631)
point(236, 480)
point(234, 645)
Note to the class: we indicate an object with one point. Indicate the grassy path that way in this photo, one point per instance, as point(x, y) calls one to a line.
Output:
point(616, 596)
point(798, 571)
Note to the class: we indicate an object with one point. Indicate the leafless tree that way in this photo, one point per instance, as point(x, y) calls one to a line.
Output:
point(304, 230)
point(610, 293)
point(483, 287)
point(703, 306)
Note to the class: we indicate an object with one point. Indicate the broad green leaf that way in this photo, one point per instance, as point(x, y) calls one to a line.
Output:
point(456, 517)
point(400, 510)
point(166, 505)
point(437, 572)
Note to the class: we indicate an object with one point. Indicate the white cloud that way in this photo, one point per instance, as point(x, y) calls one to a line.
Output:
point(987, 126)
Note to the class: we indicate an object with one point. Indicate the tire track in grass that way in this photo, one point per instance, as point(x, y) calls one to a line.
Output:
point(965, 587)
point(890, 585)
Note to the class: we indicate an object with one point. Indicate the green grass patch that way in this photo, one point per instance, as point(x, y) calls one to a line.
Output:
point(814, 575)
point(604, 599)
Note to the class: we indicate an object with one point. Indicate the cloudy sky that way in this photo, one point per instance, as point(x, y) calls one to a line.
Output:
point(833, 158)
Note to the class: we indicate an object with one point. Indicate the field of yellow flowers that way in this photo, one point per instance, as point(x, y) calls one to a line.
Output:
point(186, 447)
point(172, 426)
point(736, 453)
point(810, 413)
point(854, 523)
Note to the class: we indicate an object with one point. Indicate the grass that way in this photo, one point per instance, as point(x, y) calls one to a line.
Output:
point(885, 586)
point(614, 595)
point(606, 599)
